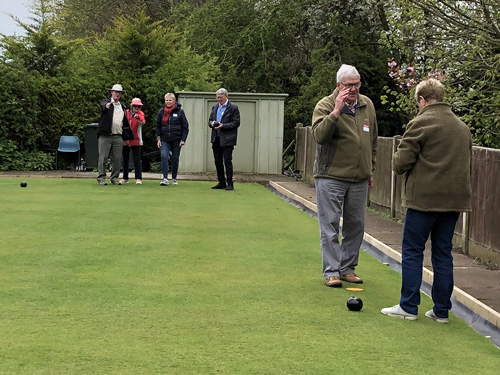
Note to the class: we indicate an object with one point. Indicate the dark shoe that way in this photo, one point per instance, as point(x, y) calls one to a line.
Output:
point(219, 186)
point(230, 187)
point(351, 278)
point(102, 183)
point(116, 182)
point(333, 282)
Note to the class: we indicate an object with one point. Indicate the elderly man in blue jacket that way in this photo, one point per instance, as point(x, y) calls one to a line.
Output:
point(224, 121)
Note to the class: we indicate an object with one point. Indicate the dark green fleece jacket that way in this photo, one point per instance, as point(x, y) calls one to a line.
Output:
point(347, 145)
point(435, 153)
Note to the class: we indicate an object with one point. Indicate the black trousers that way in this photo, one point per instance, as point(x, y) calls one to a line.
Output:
point(223, 157)
point(136, 154)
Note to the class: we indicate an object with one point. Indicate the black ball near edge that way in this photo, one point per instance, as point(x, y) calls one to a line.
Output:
point(354, 304)
point(23, 184)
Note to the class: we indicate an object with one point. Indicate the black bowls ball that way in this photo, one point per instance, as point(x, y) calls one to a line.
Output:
point(23, 184)
point(354, 304)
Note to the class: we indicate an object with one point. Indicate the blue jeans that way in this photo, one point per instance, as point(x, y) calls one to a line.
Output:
point(418, 226)
point(166, 148)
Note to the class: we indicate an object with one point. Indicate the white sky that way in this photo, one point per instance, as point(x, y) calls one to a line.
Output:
point(20, 9)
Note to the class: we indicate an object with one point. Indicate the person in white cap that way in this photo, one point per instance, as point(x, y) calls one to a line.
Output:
point(112, 130)
point(136, 119)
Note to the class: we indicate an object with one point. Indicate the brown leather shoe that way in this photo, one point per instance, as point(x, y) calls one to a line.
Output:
point(352, 278)
point(334, 282)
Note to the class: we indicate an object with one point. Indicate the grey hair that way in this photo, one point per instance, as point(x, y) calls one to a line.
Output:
point(347, 71)
point(221, 91)
point(431, 90)
point(169, 94)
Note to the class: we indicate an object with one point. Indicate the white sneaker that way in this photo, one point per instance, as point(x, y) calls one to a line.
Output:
point(138, 182)
point(164, 182)
point(174, 182)
point(430, 314)
point(397, 312)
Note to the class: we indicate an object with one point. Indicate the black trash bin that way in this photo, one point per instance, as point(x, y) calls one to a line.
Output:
point(91, 146)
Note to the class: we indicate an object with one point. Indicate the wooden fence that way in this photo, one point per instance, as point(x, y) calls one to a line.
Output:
point(477, 233)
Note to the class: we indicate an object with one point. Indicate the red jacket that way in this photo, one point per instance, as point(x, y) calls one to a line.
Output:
point(136, 126)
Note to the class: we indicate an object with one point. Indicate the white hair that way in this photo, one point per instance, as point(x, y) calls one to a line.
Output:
point(169, 94)
point(347, 71)
point(221, 91)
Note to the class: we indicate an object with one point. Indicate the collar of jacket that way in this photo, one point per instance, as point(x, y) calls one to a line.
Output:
point(110, 100)
point(176, 108)
point(434, 106)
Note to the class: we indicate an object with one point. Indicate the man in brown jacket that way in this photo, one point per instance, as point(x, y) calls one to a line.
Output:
point(344, 125)
point(435, 153)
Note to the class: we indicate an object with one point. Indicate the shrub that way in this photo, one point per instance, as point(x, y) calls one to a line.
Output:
point(13, 160)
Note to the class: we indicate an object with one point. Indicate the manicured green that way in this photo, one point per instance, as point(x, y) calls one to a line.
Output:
point(189, 280)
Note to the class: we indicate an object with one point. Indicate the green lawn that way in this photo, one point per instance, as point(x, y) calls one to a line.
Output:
point(189, 280)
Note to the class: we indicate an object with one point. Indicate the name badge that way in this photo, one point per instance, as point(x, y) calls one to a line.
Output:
point(175, 115)
point(366, 128)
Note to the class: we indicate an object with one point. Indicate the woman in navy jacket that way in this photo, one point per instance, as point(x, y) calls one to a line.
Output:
point(172, 129)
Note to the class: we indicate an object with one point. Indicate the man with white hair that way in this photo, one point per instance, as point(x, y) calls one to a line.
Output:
point(344, 125)
point(224, 121)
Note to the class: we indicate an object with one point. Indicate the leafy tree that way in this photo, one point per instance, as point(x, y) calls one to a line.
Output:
point(20, 109)
point(291, 46)
point(460, 39)
point(34, 92)
point(92, 17)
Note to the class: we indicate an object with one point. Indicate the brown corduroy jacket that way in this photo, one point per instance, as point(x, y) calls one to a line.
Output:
point(435, 153)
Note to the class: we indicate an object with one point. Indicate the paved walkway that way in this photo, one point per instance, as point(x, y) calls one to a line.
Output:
point(476, 286)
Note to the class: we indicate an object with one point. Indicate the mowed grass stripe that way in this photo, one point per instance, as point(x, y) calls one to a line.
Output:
point(188, 280)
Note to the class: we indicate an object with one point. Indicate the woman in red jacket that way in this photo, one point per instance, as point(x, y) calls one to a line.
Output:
point(136, 119)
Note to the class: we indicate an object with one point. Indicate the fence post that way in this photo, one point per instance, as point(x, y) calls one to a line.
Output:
point(393, 179)
point(297, 126)
point(306, 143)
point(465, 232)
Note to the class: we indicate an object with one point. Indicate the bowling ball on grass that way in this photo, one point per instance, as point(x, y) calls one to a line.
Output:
point(354, 303)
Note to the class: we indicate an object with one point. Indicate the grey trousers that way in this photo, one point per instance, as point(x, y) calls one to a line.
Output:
point(109, 144)
point(336, 198)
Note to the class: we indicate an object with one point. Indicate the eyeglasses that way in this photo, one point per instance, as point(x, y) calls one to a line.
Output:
point(351, 85)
